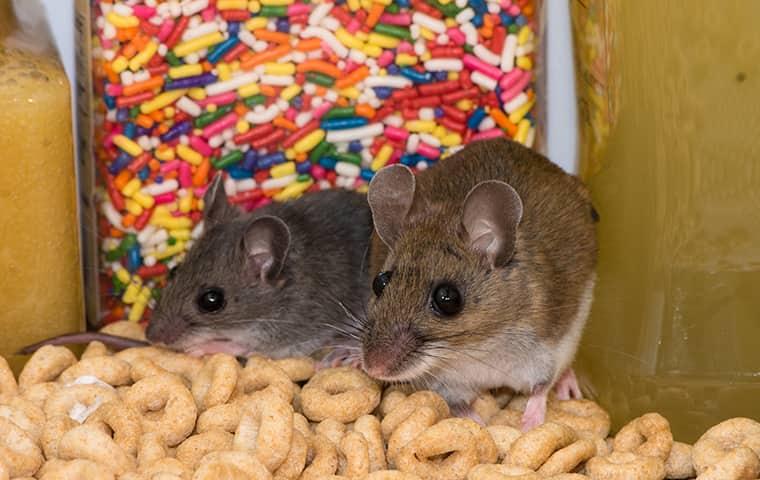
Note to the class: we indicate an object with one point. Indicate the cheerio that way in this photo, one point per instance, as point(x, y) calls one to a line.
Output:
point(669, 144)
point(39, 238)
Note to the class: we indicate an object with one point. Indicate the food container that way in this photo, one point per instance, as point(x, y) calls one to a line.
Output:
point(285, 97)
point(668, 98)
point(39, 238)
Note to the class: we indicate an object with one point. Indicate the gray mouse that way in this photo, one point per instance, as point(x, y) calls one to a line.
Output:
point(488, 277)
point(282, 280)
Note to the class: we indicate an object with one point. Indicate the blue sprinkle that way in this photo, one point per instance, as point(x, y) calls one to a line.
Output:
point(141, 131)
point(521, 20)
point(266, 161)
point(438, 112)
point(342, 123)
point(476, 117)
point(233, 28)
point(367, 174)
point(144, 173)
point(122, 115)
point(402, 3)
point(479, 6)
point(129, 130)
point(393, 69)
point(179, 129)
point(416, 76)
point(297, 102)
point(249, 160)
point(303, 167)
point(110, 102)
point(440, 76)
point(382, 92)
point(328, 162)
point(506, 19)
point(283, 25)
point(222, 48)
point(239, 173)
point(355, 146)
point(477, 20)
point(133, 258)
point(121, 162)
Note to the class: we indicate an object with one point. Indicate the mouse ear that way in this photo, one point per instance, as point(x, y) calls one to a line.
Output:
point(492, 212)
point(266, 242)
point(390, 197)
point(215, 206)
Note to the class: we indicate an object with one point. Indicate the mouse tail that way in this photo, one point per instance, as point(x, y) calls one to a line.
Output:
point(114, 341)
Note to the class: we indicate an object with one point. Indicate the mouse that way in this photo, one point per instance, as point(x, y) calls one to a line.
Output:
point(282, 280)
point(486, 279)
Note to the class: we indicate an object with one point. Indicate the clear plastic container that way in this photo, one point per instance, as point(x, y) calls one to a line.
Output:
point(41, 276)
point(668, 99)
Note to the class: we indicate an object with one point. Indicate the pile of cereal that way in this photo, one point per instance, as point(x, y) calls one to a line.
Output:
point(284, 96)
point(148, 413)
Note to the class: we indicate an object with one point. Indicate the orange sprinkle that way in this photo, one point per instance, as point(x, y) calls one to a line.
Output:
point(309, 45)
point(115, 232)
point(320, 91)
point(129, 50)
point(364, 110)
point(265, 56)
point(272, 193)
point(154, 165)
point(172, 174)
point(282, 122)
point(144, 121)
point(342, 102)
point(144, 86)
point(158, 116)
point(301, 157)
point(163, 128)
point(112, 76)
point(326, 68)
point(271, 36)
point(201, 173)
point(268, 90)
point(352, 78)
point(374, 14)
point(122, 179)
point(128, 220)
point(241, 110)
point(501, 120)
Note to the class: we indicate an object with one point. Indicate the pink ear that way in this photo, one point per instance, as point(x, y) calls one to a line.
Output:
point(216, 209)
point(390, 197)
point(266, 242)
point(492, 212)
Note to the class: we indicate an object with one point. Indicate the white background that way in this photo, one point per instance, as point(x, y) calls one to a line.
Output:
point(561, 122)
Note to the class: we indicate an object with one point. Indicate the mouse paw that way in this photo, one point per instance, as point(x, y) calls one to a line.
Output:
point(535, 410)
point(567, 387)
point(339, 357)
point(464, 410)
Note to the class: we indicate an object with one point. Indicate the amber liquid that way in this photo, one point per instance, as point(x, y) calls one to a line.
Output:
point(40, 273)
point(675, 326)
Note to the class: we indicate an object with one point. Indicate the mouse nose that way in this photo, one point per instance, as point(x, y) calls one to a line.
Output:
point(376, 363)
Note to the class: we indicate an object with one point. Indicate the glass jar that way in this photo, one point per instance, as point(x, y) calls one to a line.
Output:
point(41, 276)
point(668, 99)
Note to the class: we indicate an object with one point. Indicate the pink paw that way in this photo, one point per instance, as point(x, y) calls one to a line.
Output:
point(535, 410)
point(463, 410)
point(339, 357)
point(567, 387)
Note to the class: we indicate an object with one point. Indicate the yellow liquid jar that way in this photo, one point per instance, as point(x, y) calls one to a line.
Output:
point(669, 95)
point(41, 281)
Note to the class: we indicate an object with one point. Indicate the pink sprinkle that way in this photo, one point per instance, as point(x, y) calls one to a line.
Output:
point(358, 182)
point(505, 4)
point(200, 146)
point(396, 134)
point(208, 14)
point(514, 10)
point(114, 89)
point(167, 197)
point(428, 151)
point(261, 202)
point(318, 172)
point(199, 192)
point(185, 175)
point(487, 134)
point(221, 99)
point(518, 87)
point(291, 113)
point(456, 36)
point(106, 43)
point(298, 9)
point(354, 26)
point(474, 63)
point(402, 19)
point(405, 47)
point(108, 140)
point(508, 79)
point(165, 30)
point(395, 157)
point(350, 66)
point(170, 166)
point(143, 11)
point(322, 109)
point(227, 121)
point(385, 58)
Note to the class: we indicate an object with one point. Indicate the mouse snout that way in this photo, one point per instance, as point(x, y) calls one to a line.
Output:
point(162, 330)
point(387, 358)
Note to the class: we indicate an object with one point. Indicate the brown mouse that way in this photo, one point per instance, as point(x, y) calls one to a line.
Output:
point(488, 277)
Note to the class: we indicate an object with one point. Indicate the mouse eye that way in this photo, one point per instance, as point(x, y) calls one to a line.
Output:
point(211, 300)
point(447, 300)
point(380, 282)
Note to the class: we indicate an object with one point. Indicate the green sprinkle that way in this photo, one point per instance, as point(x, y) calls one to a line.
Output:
point(450, 9)
point(273, 11)
point(304, 177)
point(172, 59)
point(393, 31)
point(392, 8)
point(254, 100)
point(320, 79)
point(340, 112)
point(118, 287)
point(128, 242)
point(228, 160)
point(320, 150)
point(134, 112)
point(349, 157)
point(468, 48)
point(171, 241)
point(155, 293)
point(210, 117)
point(514, 28)
point(114, 255)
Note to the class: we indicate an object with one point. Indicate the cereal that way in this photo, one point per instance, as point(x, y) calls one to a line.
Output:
point(110, 370)
point(89, 443)
point(342, 393)
point(295, 462)
point(299, 369)
point(503, 436)
point(738, 464)
point(191, 451)
point(410, 428)
point(122, 420)
point(45, 365)
point(648, 435)
point(369, 427)
point(721, 439)
point(325, 460)
point(536, 446)
point(21, 456)
point(150, 449)
point(502, 472)
point(216, 381)
point(569, 458)
point(625, 466)
point(353, 447)
point(679, 464)
point(78, 469)
point(266, 430)
point(406, 406)
point(231, 465)
point(285, 98)
point(78, 401)
point(8, 385)
point(52, 433)
point(445, 437)
point(260, 373)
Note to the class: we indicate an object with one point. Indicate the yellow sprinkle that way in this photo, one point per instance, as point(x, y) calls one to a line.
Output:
point(425, 126)
point(224, 71)
point(211, 107)
point(366, 4)
point(405, 60)
point(197, 93)
point(363, 188)
point(133, 207)
point(283, 169)
point(445, 2)
point(350, 93)
point(426, 56)
point(144, 295)
point(276, 3)
point(372, 51)
point(384, 2)
point(119, 64)
point(524, 35)
point(145, 200)
point(172, 223)
point(161, 211)
point(128, 145)
point(232, 4)
point(185, 71)
point(518, 114)
point(161, 101)
point(182, 234)
point(384, 41)
point(132, 290)
point(310, 141)
point(382, 157)
point(289, 93)
point(143, 56)
point(235, 66)
point(189, 155)
point(465, 105)
point(451, 139)
point(249, 90)
point(450, 23)
point(294, 190)
point(164, 153)
point(347, 39)
point(169, 112)
point(522, 131)
point(186, 203)
point(256, 23)
point(280, 68)
point(354, 5)
point(170, 251)
point(440, 131)
point(524, 62)
point(254, 7)
point(290, 154)
point(427, 34)
point(136, 312)
point(453, 75)
point(242, 126)
point(119, 21)
point(204, 41)
point(123, 275)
